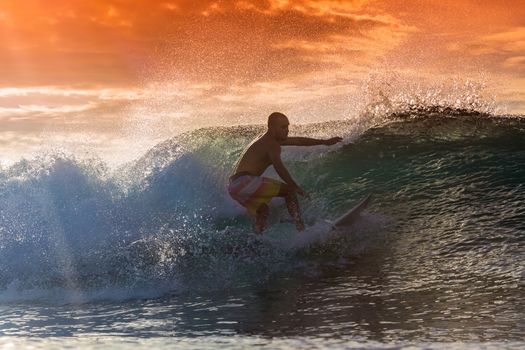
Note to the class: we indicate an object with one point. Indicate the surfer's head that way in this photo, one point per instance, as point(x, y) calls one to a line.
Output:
point(278, 126)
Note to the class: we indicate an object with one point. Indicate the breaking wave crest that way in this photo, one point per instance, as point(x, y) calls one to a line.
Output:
point(73, 230)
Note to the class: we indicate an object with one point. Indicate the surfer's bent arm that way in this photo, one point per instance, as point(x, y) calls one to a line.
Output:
point(307, 141)
point(275, 157)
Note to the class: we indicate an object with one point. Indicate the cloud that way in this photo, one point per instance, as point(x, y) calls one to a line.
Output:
point(104, 110)
point(35, 109)
point(515, 62)
point(320, 8)
point(507, 46)
point(512, 40)
point(115, 42)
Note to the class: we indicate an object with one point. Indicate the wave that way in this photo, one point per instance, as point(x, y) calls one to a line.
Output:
point(73, 229)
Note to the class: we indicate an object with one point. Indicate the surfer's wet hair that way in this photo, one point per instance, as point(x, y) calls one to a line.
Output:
point(274, 117)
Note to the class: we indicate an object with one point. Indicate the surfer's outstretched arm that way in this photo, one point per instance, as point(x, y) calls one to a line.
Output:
point(307, 141)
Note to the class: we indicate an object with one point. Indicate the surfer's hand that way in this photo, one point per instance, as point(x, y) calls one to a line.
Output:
point(333, 141)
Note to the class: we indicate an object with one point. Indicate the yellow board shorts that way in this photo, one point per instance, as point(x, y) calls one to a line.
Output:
point(253, 191)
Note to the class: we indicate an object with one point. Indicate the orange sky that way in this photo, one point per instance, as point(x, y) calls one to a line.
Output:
point(118, 63)
point(55, 42)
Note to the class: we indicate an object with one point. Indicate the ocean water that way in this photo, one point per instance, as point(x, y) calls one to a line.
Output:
point(155, 254)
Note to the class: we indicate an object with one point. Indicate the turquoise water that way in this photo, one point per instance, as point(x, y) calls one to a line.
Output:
point(155, 254)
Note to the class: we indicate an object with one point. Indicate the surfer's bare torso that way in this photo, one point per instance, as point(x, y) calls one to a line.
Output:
point(256, 158)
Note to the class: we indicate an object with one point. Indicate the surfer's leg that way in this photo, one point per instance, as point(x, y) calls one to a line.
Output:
point(293, 206)
point(261, 217)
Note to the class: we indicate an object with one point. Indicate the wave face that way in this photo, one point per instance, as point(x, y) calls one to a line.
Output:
point(448, 190)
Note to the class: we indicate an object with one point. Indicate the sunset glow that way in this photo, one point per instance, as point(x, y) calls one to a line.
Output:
point(64, 63)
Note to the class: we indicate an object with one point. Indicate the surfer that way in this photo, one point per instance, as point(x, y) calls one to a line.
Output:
point(254, 191)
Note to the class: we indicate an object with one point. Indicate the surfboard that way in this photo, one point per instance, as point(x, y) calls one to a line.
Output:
point(351, 215)
point(347, 219)
point(321, 233)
